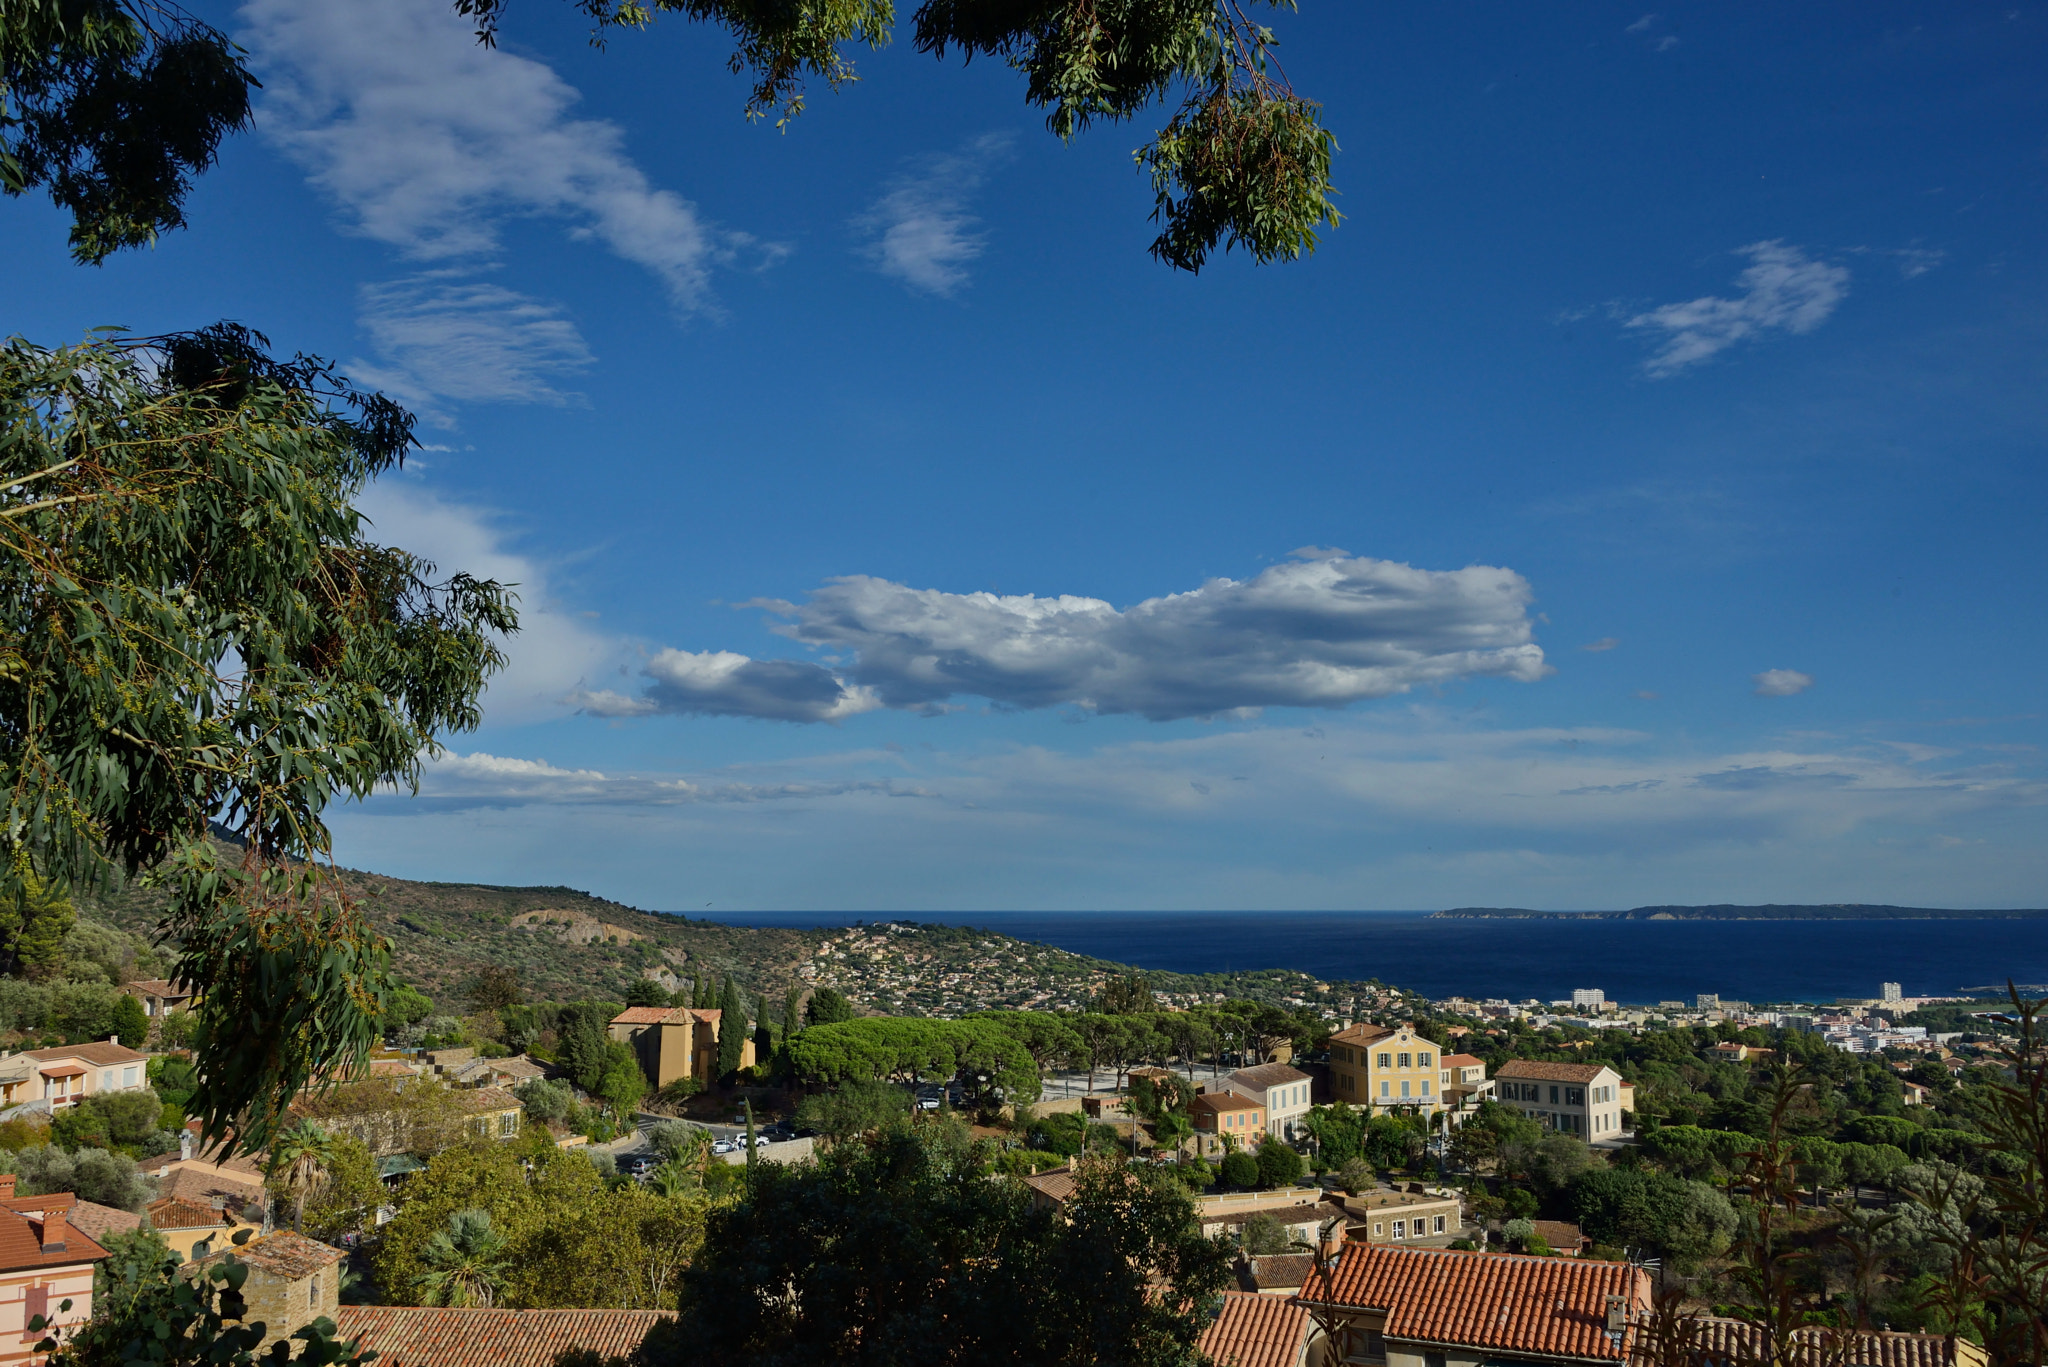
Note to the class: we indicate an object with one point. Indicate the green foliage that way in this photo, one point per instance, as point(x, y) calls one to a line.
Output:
point(580, 1040)
point(1279, 1165)
point(732, 1029)
point(131, 1122)
point(854, 1109)
point(1637, 1208)
point(1517, 1232)
point(1262, 1233)
point(131, 1024)
point(466, 1263)
point(173, 1079)
point(34, 917)
point(906, 1049)
point(144, 698)
point(151, 1313)
point(1357, 1176)
point(646, 992)
point(1520, 1202)
point(906, 1252)
point(549, 1100)
point(349, 1192)
point(764, 1037)
point(98, 1175)
point(1240, 1169)
point(621, 1083)
point(407, 1005)
point(827, 1007)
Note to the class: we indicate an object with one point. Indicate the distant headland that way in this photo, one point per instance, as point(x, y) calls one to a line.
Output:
point(1837, 911)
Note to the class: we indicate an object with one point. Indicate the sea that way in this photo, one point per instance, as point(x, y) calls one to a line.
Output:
point(1631, 961)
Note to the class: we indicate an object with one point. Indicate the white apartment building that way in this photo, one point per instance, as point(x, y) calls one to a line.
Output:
point(1891, 992)
point(1588, 996)
point(1282, 1090)
point(1582, 1099)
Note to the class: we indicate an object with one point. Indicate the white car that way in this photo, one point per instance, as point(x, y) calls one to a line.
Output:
point(723, 1146)
point(927, 1103)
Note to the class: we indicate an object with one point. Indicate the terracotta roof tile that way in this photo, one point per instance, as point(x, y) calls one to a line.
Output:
point(1463, 1061)
point(1268, 1075)
point(1279, 1271)
point(1256, 1331)
point(21, 1242)
point(169, 1212)
point(99, 1055)
point(1227, 1101)
point(1719, 1337)
point(159, 987)
point(1561, 1235)
point(643, 1015)
point(284, 1253)
point(1365, 1032)
point(101, 1223)
point(1554, 1306)
point(419, 1336)
point(199, 1184)
point(1056, 1184)
point(1550, 1072)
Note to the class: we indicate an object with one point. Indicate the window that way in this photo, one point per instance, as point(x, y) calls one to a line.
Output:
point(1574, 1096)
point(1439, 1224)
point(1425, 1086)
point(1432, 1360)
point(1379, 1228)
point(1383, 1087)
point(1386, 1060)
point(1400, 1229)
point(1422, 1060)
point(1345, 1078)
point(313, 1291)
point(1553, 1096)
point(1404, 1087)
point(107, 1080)
point(37, 1303)
point(1404, 1060)
point(128, 1076)
point(508, 1123)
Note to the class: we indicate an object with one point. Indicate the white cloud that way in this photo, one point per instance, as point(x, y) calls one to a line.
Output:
point(431, 141)
point(462, 781)
point(438, 337)
point(1782, 289)
point(1601, 646)
point(1641, 25)
point(1311, 633)
point(554, 653)
point(920, 231)
point(1781, 683)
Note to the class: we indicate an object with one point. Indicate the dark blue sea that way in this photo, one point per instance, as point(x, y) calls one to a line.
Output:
point(1632, 961)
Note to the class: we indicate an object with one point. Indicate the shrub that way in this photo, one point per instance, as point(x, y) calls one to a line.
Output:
point(1240, 1169)
point(97, 1175)
point(1464, 1245)
point(549, 1100)
point(1279, 1165)
point(1357, 1176)
point(1520, 1202)
point(131, 1024)
point(1518, 1232)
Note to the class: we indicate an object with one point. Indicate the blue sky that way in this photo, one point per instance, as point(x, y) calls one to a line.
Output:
point(1638, 498)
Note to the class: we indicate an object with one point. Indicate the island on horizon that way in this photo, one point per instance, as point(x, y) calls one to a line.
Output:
point(1773, 911)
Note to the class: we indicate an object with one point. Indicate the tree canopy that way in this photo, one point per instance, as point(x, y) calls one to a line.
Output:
point(196, 627)
point(113, 106)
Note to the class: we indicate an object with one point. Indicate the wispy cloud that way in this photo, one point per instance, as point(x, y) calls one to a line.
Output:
point(1782, 290)
point(1781, 683)
point(481, 779)
point(920, 231)
point(442, 338)
point(1604, 644)
point(1319, 632)
point(432, 144)
point(555, 652)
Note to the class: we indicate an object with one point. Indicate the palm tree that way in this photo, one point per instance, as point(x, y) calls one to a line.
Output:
point(674, 1178)
point(300, 1158)
point(467, 1263)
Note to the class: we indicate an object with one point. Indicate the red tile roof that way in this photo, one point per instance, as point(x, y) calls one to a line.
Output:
point(101, 1223)
point(284, 1253)
point(1228, 1101)
point(1268, 1075)
point(169, 1212)
point(1256, 1331)
point(1463, 1061)
point(643, 1015)
point(1721, 1339)
point(1279, 1271)
point(99, 1054)
point(1550, 1072)
point(158, 987)
point(202, 1186)
point(1365, 1032)
point(65, 1070)
point(1561, 1235)
point(21, 1243)
point(1554, 1306)
point(419, 1336)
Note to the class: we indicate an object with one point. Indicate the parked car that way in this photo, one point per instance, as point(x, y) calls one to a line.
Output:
point(723, 1145)
point(927, 1103)
point(641, 1165)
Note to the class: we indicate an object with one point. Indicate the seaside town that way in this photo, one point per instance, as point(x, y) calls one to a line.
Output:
point(1022, 683)
point(514, 1181)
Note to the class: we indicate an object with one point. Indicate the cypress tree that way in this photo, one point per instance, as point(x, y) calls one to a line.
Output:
point(792, 1009)
point(764, 1042)
point(732, 1029)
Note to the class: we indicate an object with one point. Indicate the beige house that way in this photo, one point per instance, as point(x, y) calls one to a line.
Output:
point(676, 1042)
point(159, 997)
point(195, 1228)
point(1385, 1068)
point(1414, 1216)
point(72, 1072)
point(1582, 1099)
point(292, 1281)
point(1224, 1121)
point(1281, 1088)
point(44, 1262)
point(1464, 1084)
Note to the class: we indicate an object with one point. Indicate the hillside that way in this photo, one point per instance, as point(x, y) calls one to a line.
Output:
point(568, 945)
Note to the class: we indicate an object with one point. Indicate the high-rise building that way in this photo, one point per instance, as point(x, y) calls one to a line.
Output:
point(1890, 992)
point(1587, 996)
point(1706, 1001)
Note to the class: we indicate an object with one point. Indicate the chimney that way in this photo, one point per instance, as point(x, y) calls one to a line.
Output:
point(1617, 1315)
point(56, 1231)
point(7, 1180)
point(185, 1145)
